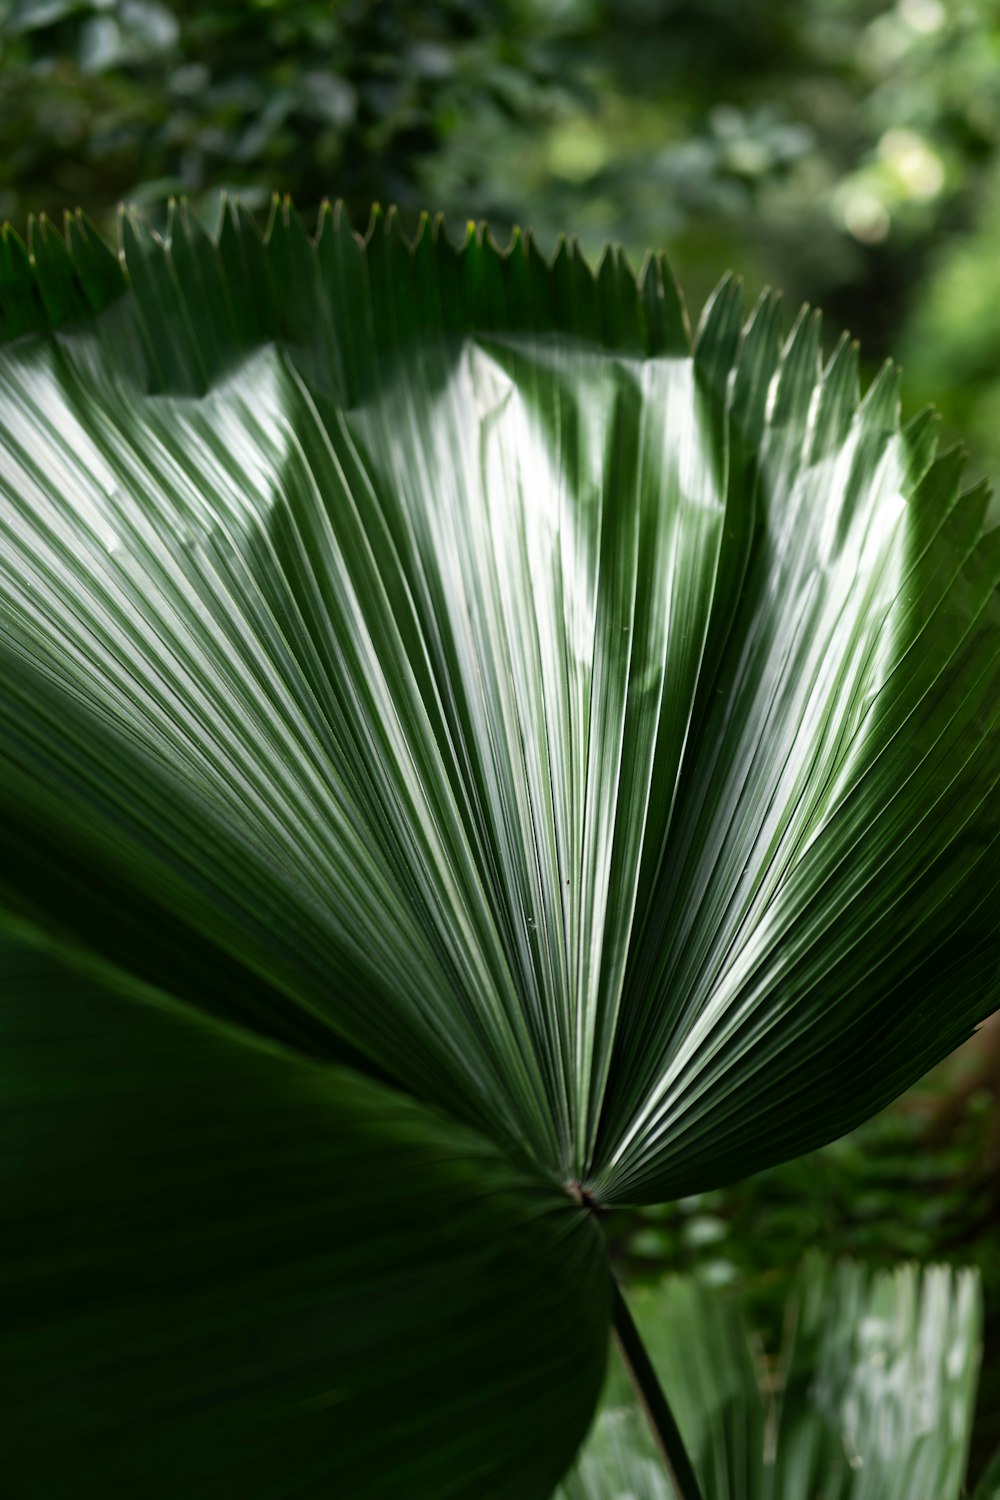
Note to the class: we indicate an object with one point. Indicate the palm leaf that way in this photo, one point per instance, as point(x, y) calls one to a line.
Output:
point(230, 1270)
point(879, 1383)
point(871, 1397)
point(421, 662)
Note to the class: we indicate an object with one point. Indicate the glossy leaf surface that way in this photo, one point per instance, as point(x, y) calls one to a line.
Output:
point(595, 739)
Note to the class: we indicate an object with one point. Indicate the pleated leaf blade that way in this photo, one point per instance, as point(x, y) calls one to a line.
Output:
point(594, 736)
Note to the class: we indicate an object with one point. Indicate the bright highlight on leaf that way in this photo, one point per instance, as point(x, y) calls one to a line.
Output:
point(419, 663)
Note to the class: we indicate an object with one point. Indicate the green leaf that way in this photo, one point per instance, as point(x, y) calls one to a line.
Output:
point(870, 1399)
point(879, 1383)
point(441, 669)
point(227, 1270)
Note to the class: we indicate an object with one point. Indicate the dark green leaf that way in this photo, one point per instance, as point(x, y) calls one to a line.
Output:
point(229, 1271)
point(989, 1486)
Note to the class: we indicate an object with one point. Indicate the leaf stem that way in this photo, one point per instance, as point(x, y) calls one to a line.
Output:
point(654, 1403)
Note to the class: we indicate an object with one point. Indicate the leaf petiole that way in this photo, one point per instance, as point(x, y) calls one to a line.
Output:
point(646, 1384)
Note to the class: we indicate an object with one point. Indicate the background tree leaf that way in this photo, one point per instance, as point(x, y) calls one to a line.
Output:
point(878, 1381)
point(871, 1396)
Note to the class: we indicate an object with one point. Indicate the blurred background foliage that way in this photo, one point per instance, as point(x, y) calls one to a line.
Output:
point(919, 1182)
point(847, 151)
